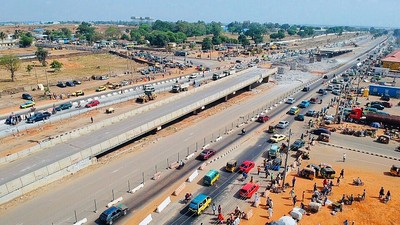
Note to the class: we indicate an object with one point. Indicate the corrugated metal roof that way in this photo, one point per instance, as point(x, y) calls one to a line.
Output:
point(393, 57)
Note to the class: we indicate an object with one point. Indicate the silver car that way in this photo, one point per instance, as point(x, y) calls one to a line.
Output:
point(282, 124)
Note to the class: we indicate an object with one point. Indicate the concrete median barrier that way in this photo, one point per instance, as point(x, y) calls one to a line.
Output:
point(179, 189)
point(163, 204)
point(146, 220)
point(189, 156)
point(193, 176)
point(140, 186)
point(156, 176)
point(114, 202)
point(82, 221)
point(174, 165)
point(202, 166)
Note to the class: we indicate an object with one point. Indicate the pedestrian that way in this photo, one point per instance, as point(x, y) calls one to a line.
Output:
point(272, 177)
point(219, 209)
point(315, 187)
point(270, 211)
point(91, 119)
point(268, 203)
point(388, 195)
point(220, 218)
point(338, 181)
point(344, 157)
point(325, 200)
point(214, 208)
point(302, 136)
point(258, 170)
point(294, 200)
point(381, 192)
point(341, 174)
point(302, 196)
point(346, 222)
point(293, 181)
point(266, 173)
point(363, 194)
point(292, 194)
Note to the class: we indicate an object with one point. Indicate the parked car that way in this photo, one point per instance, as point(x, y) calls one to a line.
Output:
point(27, 96)
point(78, 93)
point(64, 106)
point(263, 118)
point(206, 154)
point(277, 138)
point(385, 98)
point(193, 76)
point(27, 104)
point(310, 112)
point(320, 131)
point(110, 215)
point(299, 143)
point(290, 100)
point(305, 89)
point(246, 166)
point(92, 104)
point(282, 124)
point(377, 106)
point(38, 116)
point(336, 91)
point(61, 84)
point(70, 84)
point(386, 104)
point(77, 82)
point(101, 88)
point(248, 190)
point(299, 117)
point(124, 83)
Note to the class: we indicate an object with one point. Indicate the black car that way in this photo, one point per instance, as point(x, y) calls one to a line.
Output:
point(385, 98)
point(77, 82)
point(110, 215)
point(61, 84)
point(27, 96)
point(70, 84)
point(299, 117)
point(320, 131)
point(299, 143)
point(63, 106)
point(305, 89)
point(39, 116)
point(377, 106)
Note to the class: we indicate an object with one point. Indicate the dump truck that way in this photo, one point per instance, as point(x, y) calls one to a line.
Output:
point(217, 76)
point(147, 96)
point(180, 87)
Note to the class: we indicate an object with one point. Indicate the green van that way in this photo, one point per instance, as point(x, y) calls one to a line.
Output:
point(200, 203)
point(211, 177)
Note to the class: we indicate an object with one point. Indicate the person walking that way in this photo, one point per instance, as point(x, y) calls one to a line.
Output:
point(364, 194)
point(214, 208)
point(258, 170)
point(293, 181)
point(346, 222)
point(315, 187)
point(381, 192)
point(91, 119)
point(302, 196)
point(270, 212)
point(344, 157)
point(338, 181)
point(341, 174)
point(219, 209)
point(266, 173)
point(294, 200)
point(292, 194)
point(272, 177)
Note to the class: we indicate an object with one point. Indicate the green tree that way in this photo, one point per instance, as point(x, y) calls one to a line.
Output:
point(66, 33)
point(214, 28)
point(112, 33)
point(192, 45)
point(136, 35)
point(243, 40)
point(2, 36)
point(207, 44)
point(10, 63)
point(216, 40)
point(124, 37)
point(41, 55)
point(86, 31)
point(56, 65)
point(29, 68)
point(25, 40)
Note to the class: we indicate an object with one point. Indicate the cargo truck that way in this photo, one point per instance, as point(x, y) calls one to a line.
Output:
point(180, 87)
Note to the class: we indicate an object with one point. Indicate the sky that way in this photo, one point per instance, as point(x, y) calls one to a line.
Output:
point(377, 13)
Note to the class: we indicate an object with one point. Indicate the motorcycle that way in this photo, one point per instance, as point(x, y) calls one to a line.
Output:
point(243, 131)
point(188, 197)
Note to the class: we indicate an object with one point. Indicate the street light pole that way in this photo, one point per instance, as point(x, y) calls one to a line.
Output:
point(286, 161)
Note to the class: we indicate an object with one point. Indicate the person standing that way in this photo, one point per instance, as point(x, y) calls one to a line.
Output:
point(214, 208)
point(258, 170)
point(338, 181)
point(293, 181)
point(363, 194)
point(270, 211)
point(294, 200)
point(315, 187)
point(381, 193)
point(344, 157)
point(91, 119)
point(292, 194)
point(341, 174)
point(302, 196)
point(219, 209)
point(272, 177)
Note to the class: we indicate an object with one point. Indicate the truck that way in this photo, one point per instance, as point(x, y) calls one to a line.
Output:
point(217, 76)
point(229, 72)
point(39, 116)
point(358, 114)
point(180, 87)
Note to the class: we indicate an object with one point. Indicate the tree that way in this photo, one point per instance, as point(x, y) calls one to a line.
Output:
point(29, 68)
point(214, 28)
point(10, 63)
point(56, 65)
point(216, 40)
point(112, 32)
point(41, 55)
point(25, 40)
point(2, 36)
point(85, 31)
point(136, 35)
point(124, 37)
point(243, 40)
point(207, 44)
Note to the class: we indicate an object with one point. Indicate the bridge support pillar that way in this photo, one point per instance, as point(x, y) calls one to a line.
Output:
point(249, 87)
point(195, 112)
point(266, 79)
point(226, 98)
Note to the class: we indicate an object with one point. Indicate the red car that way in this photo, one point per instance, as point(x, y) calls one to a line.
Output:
point(248, 190)
point(263, 118)
point(206, 154)
point(246, 166)
point(92, 103)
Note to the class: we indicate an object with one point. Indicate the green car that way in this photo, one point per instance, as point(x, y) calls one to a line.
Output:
point(27, 104)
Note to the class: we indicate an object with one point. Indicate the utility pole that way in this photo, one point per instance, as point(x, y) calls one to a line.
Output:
point(286, 161)
point(47, 80)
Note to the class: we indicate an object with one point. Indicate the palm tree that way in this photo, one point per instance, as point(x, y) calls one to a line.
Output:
point(2, 36)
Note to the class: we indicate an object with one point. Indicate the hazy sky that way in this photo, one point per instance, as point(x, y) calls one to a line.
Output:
point(379, 13)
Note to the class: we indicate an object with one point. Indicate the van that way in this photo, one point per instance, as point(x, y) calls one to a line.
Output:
point(211, 177)
point(248, 190)
point(200, 203)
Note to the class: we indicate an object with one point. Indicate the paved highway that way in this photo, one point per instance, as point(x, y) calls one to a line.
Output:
point(38, 160)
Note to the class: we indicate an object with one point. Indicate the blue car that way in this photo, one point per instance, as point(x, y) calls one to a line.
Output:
point(304, 104)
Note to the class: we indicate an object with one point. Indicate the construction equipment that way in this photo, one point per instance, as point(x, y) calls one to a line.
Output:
point(148, 96)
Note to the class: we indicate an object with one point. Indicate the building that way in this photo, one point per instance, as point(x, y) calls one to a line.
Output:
point(392, 61)
point(379, 90)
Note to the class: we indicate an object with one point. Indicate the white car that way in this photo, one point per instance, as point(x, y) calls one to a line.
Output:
point(290, 100)
point(192, 76)
point(277, 138)
point(282, 124)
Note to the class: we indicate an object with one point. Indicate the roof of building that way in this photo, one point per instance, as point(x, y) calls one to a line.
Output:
point(393, 57)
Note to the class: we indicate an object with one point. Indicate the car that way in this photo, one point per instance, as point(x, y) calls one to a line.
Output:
point(38, 116)
point(304, 104)
point(320, 131)
point(325, 77)
point(92, 104)
point(299, 117)
point(294, 110)
point(246, 166)
point(320, 91)
point(206, 154)
point(386, 104)
point(263, 118)
point(101, 88)
point(148, 87)
point(27, 104)
point(329, 117)
point(248, 190)
point(63, 106)
point(290, 100)
point(124, 83)
point(70, 84)
point(282, 124)
point(193, 76)
point(110, 215)
point(385, 98)
point(77, 82)
point(314, 100)
point(61, 84)
point(299, 143)
point(78, 93)
point(336, 91)
point(305, 89)
point(310, 112)
point(277, 138)
point(27, 96)
point(377, 106)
